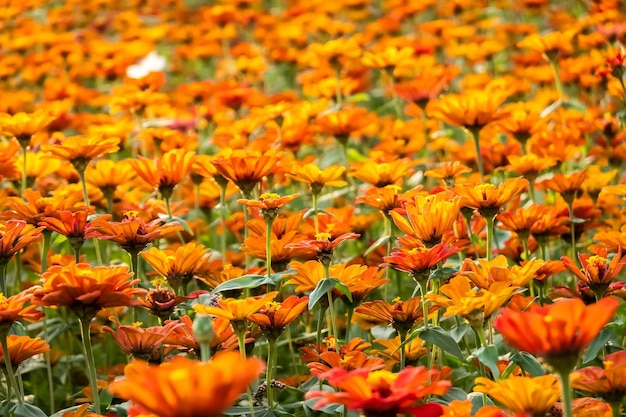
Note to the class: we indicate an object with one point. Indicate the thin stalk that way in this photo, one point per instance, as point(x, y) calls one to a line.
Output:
point(81, 174)
point(480, 332)
point(134, 264)
point(47, 237)
point(223, 221)
point(268, 248)
point(241, 338)
point(615, 408)
point(315, 219)
point(91, 365)
point(475, 134)
point(338, 97)
point(77, 254)
point(348, 324)
point(331, 306)
point(292, 351)
point(531, 190)
point(566, 394)
point(271, 358)
point(12, 382)
point(23, 183)
point(205, 351)
point(3, 280)
point(424, 305)
point(402, 350)
point(572, 223)
point(46, 356)
point(490, 231)
point(320, 321)
point(168, 207)
point(557, 79)
point(396, 100)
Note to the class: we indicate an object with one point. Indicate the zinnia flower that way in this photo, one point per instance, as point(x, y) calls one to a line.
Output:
point(382, 393)
point(558, 332)
point(607, 382)
point(172, 389)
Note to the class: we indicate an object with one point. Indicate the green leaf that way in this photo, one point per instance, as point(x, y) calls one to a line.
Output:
point(444, 273)
point(528, 363)
point(575, 105)
point(246, 281)
point(356, 98)
point(438, 337)
point(105, 399)
point(455, 393)
point(479, 401)
point(459, 332)
point(178, 220)
point(27, 410)
point(488, 356)
point(320, 291)
point(597, 344)
point(343, 288)
point(508, 370)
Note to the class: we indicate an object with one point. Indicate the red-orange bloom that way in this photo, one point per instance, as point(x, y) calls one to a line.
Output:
point(167, 172)
point(14, 308)
point(133, 233)
point(275, 316)
point(86, 290)
point(14, 236)
point(608, 383)
point(558, 332)
point(380, 392)
point(22, 348)
point(171, 389)
point(144, 344)
point(246, 169)
point(596, 270)
point(418, 262)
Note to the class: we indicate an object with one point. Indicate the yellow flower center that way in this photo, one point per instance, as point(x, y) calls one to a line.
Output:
point(415, 251)
point(272, 306)
point(137, 324)
point(269, 196)
point(597, 261)
point(323, 236)
point(396, 300)
point(227, 267)
point(131, 213)
point(483, 189)
point(547, 319)
point(158, 282)
point(381, 378)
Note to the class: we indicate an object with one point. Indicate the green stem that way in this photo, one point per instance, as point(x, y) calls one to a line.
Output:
point(572, 226)
point(338, 97)
point(134, 264)
point(77, 254)
point(315, 219)
point(402, 350)
point(615, 408)
point(9, 369)
point(47, 237)
point(349, 323)
point(566, 394)
point(81, 174)
point(531, 190)
point(240, 331)
point(223, 221)
point(320, 321)
point(205, 351)
point(3, 280)
point(475, 133)
point(331, 306)
point(46, 356)
point(490, 231)
point(480, 332)
point(167, 206)
point(396, 100)
point(89, 359)
point(424, 305)
point(23, 183)
point(268, 248)
point(557, 79)
point(271, 358)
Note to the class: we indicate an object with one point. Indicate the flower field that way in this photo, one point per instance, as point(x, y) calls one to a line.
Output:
point(272, 208)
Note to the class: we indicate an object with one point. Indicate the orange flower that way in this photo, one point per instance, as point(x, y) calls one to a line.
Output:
point(316, 178)
point(86, 290)
point(596, 270)
point(349, 361)
point(167, 172)
point(24, 126)
point(161, 301)
point(486, 273)
point(22, 348)
point(560, 331)
point(379, 392)
point(420, 261)
point(171, 389)
point(488, 198)
point(235, 310)
point(429, 217)
point(569, 186)
point(343, 123)
point(426, 86)
point(549, 44)
point(178, 266)
point(384, 199)
point(246, 169)
point(80, 150)
point(275, 316)
point(381, 174)
point(15, 235)
point(144, 344)
point(448, 171)
point(132, 234)
point(401, 315)
point(323, 247)
point(269, 203)
point(72, 225)
point(522, 219)
point(607, 382)
point(34, 206)
point(472, 110)
point(107, 175)
point(14, 308)
point(523, 395)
